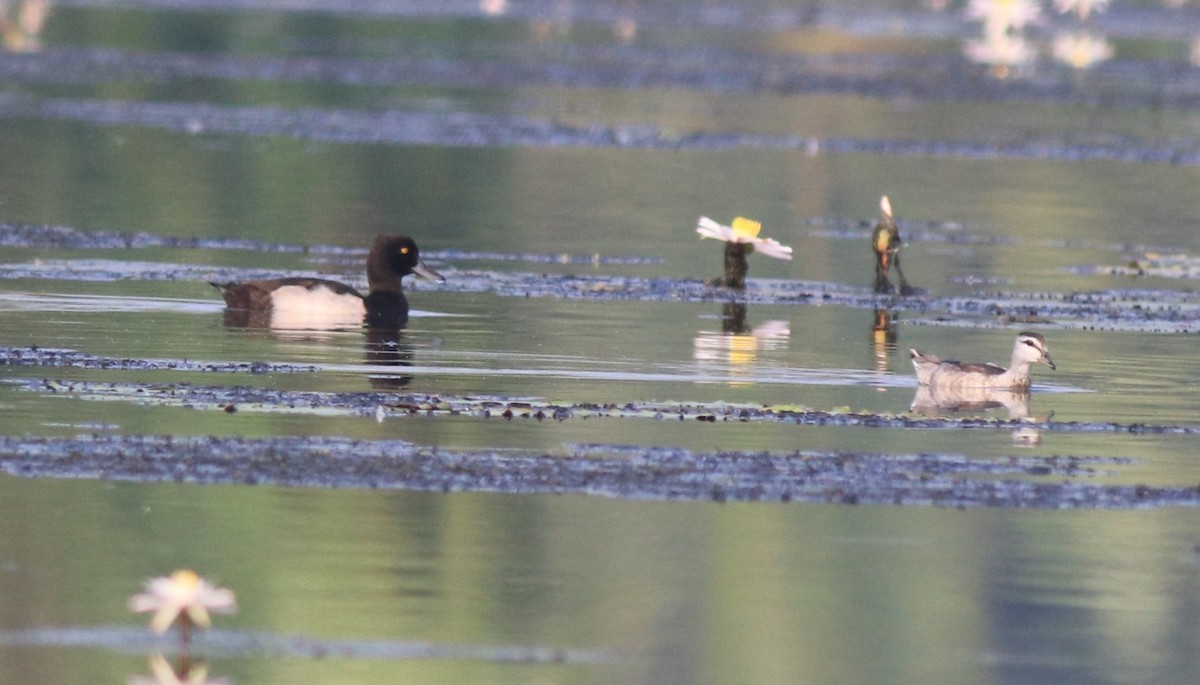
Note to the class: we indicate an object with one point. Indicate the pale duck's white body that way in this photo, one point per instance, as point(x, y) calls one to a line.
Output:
point(296, 307)
point(1029, 349)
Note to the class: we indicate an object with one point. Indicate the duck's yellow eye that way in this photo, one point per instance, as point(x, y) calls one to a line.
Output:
point(404, 250)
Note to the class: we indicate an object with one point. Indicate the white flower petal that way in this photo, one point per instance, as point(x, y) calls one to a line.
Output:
point(772, 248)
point(707, 228)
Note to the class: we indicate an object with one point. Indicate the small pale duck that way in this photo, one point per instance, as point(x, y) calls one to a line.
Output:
point(302, 302)
point(1029, 349)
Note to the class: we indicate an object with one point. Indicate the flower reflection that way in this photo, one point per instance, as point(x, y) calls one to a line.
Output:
point(185, 597)
point(187, 673)
point(737, 344)
point(1081, 7)
point(1001, 51)
point(23, 33)
point(883, 339)
point(1081, 50)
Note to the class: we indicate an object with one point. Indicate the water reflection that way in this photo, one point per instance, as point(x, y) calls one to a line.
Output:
point(737, 343)
point(883, 338)
point(21, 30)
point(383, 345)
point(942, 401)
point(185, 672)
point(387, 347)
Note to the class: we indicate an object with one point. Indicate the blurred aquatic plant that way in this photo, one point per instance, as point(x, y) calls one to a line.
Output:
point(1081, 50)
point(493, 8)
point(1003, 52)
point(741, 238)
point(1003, 16)
point(1003, 48)
point(22, 33)
point(182, 597)
point(186, 673)
point(1006, 48)
point(1081, 7)
point(886, 243)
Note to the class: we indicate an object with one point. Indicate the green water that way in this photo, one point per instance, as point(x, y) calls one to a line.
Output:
point(674, 592)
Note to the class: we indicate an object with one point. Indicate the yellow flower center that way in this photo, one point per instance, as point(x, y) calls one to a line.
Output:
point(185, 579)
point(746, 228)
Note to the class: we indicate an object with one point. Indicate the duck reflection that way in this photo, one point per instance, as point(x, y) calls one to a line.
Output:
point(737, 343)
point(382, 345)
point(21, 29)
point(387, 347)
point(184, 673)
point(934, 401)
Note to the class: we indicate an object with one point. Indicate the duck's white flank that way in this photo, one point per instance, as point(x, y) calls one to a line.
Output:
point(1029, 349)
point(296, 307)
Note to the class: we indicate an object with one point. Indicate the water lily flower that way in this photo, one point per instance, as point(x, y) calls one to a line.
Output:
point(743, 232)
point(1081, 7)
point(1081, 50)
point(182, 596)
point(999, 16)
point(493, 8)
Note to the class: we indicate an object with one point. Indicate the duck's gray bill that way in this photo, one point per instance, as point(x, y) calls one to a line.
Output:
point(425, 272)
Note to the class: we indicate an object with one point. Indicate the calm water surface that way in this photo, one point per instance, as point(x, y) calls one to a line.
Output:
point(663, 592)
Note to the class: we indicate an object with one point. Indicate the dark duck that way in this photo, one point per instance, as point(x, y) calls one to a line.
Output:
point(302, 302)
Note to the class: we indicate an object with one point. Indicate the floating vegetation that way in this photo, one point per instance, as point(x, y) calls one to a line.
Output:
point(381, 406)
point(60, 358)
point(1152, 311)
point(234, 643)
point(480, 130)
point(1158, 311)
point(636, 473)
point(67, 238)
point(1181, 266)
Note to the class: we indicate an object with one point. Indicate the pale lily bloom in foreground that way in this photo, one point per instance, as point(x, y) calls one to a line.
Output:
point(1000, 50)
point(493, 8)
point(182, 595)
point(743, 232)
point(1081, 50)
point(1081, 7)
point(999, 16)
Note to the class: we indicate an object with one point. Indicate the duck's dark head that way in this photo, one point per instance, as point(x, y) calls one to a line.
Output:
point(394, 257)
